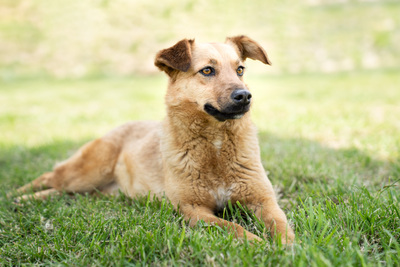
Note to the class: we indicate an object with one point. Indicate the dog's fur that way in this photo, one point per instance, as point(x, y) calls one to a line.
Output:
point(202, 155)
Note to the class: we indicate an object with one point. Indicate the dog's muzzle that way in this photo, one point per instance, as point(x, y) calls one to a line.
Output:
point(238, 105)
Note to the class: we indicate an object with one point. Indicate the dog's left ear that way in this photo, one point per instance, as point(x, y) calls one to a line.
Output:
point(175, 58)
point(249, 48)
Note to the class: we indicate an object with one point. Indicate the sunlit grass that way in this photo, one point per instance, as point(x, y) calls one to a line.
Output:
point(75, 108)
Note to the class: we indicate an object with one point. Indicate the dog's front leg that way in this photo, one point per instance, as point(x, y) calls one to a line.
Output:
point(193, 214)
point(274, 218)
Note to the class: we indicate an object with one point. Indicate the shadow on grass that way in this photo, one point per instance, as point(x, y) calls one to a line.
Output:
point(19, 164)
point(296, 167)
point(302, 168)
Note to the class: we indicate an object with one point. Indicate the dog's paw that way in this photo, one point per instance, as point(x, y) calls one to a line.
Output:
point(252, 238)
point(288, 239)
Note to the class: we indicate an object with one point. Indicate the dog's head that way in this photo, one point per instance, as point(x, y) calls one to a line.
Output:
point(209, 77)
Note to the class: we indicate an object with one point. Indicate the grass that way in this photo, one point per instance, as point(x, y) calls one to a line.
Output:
point(329, 142)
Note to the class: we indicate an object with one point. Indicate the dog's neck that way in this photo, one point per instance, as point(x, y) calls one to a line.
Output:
point(185, 122)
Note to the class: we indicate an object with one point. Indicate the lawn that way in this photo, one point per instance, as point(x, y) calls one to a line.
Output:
point(329, 142)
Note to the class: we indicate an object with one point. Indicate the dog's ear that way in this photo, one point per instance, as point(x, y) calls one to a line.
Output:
point(177, 57)
point(249, 48)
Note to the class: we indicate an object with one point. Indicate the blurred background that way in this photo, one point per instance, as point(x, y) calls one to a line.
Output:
point(71, 70)
point(75, 38)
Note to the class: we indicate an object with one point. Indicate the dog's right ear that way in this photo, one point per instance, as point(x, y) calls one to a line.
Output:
point(249, 48)
point(175, 58)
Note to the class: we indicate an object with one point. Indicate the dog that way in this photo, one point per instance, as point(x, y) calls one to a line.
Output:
point(202, 155)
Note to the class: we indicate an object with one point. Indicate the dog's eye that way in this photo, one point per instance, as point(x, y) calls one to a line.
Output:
point(240, 71)
point(207, 71)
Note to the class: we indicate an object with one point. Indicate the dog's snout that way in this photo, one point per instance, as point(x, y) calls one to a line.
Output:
point(241, 97)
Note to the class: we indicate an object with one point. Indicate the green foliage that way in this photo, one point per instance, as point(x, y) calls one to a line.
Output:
point(329, 142)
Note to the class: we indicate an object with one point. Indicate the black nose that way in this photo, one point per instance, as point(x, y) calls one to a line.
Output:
point(241, 97)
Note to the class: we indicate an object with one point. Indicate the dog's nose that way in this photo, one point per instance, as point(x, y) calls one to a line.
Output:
point(241, 97)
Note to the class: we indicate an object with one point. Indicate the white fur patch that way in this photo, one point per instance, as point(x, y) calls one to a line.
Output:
point(222, 195)
point(217, 143)
point(238, 116)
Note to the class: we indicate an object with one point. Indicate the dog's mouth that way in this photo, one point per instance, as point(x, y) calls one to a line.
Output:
point(230, 113)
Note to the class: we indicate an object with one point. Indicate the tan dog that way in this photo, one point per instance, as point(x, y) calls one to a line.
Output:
point(204, 154)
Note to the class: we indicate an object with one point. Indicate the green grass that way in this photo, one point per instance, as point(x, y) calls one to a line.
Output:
point(329, 142)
